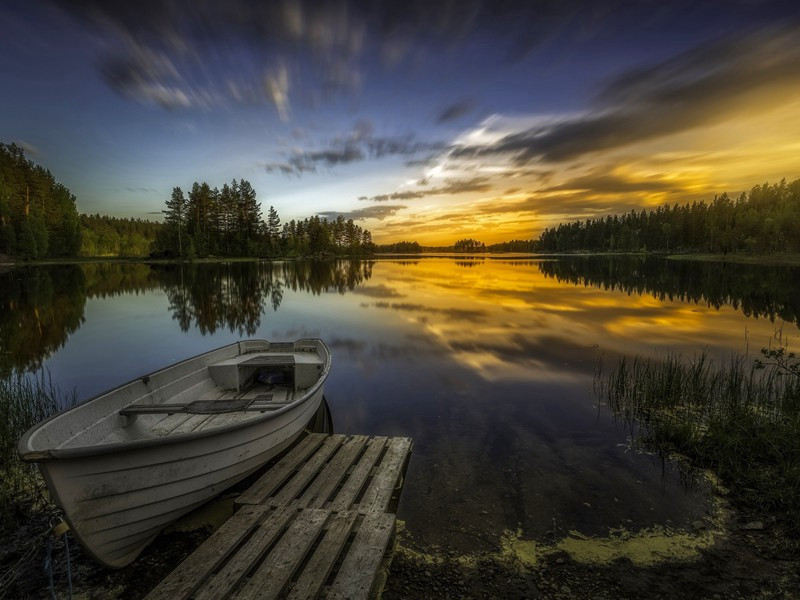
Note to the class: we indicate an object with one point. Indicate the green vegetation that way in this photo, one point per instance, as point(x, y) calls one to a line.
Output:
point(102, 235)
point(399, 248)
point(740, 420)
point(38, 217)
point(767, 219)
point(24, 401)
point(227, 222)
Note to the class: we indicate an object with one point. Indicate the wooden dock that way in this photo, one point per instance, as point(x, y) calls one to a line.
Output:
point(318, 524)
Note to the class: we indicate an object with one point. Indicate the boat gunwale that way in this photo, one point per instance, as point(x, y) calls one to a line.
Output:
point(28, 454)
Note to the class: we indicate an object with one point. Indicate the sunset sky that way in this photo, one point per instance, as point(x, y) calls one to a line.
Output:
point(422, 120)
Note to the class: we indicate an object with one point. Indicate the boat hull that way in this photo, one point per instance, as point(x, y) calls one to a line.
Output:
point(117, 503)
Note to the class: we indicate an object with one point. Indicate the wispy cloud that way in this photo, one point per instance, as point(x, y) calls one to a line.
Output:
point(455, 111)
point(477, 184)
point(373, 212)
point(708, 84)
point(358, 145)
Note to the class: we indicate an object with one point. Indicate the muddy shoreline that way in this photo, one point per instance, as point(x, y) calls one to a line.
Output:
point(753, 559)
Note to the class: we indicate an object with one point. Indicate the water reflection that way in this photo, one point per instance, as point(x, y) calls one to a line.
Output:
point(758, 290)
point(489, 367)
point(40, 307)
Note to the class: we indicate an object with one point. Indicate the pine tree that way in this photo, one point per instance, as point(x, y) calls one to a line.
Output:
point(175, 215)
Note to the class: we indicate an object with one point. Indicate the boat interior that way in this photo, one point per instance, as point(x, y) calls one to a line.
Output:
point(236, 383)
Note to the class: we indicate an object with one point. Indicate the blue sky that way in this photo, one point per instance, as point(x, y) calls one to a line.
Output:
point(422, 120)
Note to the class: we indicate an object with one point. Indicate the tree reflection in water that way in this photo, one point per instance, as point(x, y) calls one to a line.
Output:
point(40, 307)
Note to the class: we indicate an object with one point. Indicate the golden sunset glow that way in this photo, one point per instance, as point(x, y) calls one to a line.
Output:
point(756, 143)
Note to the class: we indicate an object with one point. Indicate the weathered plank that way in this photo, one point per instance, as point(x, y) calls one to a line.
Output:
point(275, 572)
point(280, 471)
point(221, 584)
point(318, 492)
point(360, 567)
point(344, 499)
point(307, 471)
point(389, 470)
point(188, 576)
point(316, 572)
point(191, 424)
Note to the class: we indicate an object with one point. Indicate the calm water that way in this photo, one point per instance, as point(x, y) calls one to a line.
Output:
point(487, 363)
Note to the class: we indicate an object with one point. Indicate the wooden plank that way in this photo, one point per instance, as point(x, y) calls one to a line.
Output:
point(223, 583)
point(316, 572)
point(318, 492)
point(360, 567)
point(390, 468)
point(277, 569)
point(190, 424)
point(187, 577)
point(280, 471)
point(307, 471)
point(348, 493)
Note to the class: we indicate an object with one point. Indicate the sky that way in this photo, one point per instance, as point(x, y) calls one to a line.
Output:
point(421, 120)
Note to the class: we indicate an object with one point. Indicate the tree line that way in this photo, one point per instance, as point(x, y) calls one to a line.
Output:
point(102, 235)
point(38, 215)
point(227, 222)
point(765, 219)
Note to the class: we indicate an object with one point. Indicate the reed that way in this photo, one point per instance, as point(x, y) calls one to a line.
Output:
point(24, 401)
point(739, 418)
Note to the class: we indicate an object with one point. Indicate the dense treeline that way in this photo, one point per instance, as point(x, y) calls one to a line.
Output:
point(399, 248)
point(38, 217)
point(514, 246)
point(469, 245)
point(102, 235)
point(227, 222)
point(767, 219)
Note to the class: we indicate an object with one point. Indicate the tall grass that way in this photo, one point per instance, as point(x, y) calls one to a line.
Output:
point(24, 401)
point(739, 418)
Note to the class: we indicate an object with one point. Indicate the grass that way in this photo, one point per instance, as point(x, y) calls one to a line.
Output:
point(24, 401)
point(740, 419)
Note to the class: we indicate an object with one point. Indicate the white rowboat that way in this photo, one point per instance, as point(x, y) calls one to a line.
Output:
point(128, 462)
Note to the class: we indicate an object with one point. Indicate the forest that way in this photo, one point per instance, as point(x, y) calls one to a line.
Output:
point(38, 216)
point(764, 220)
point(227, 222)
point(39, 219)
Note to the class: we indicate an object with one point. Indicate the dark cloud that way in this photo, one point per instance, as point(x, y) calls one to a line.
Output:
point(455, 111)
point(477, 184)
point(372, 212)
point(359, 144)
point(579, 205)
point(205, 53)
point(607, 183)
point(703, 86)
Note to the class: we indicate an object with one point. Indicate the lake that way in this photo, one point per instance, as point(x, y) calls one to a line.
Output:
point(488, 363)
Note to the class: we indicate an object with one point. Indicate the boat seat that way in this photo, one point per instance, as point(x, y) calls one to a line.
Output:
point(261, 403)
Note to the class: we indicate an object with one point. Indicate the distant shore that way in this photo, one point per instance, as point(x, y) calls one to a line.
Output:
point(7, 262)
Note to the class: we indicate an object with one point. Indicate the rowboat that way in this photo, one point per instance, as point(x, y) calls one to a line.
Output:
point(128, 462)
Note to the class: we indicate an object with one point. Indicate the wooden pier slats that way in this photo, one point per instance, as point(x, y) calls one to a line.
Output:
point(347, 495)
point(184, 580)
point(388, 475)
point(315, 525)
point(281, 471)
point(296, 484)
point(360, 567)
point(221, 584)
point(324, 485)
point(319, 567)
